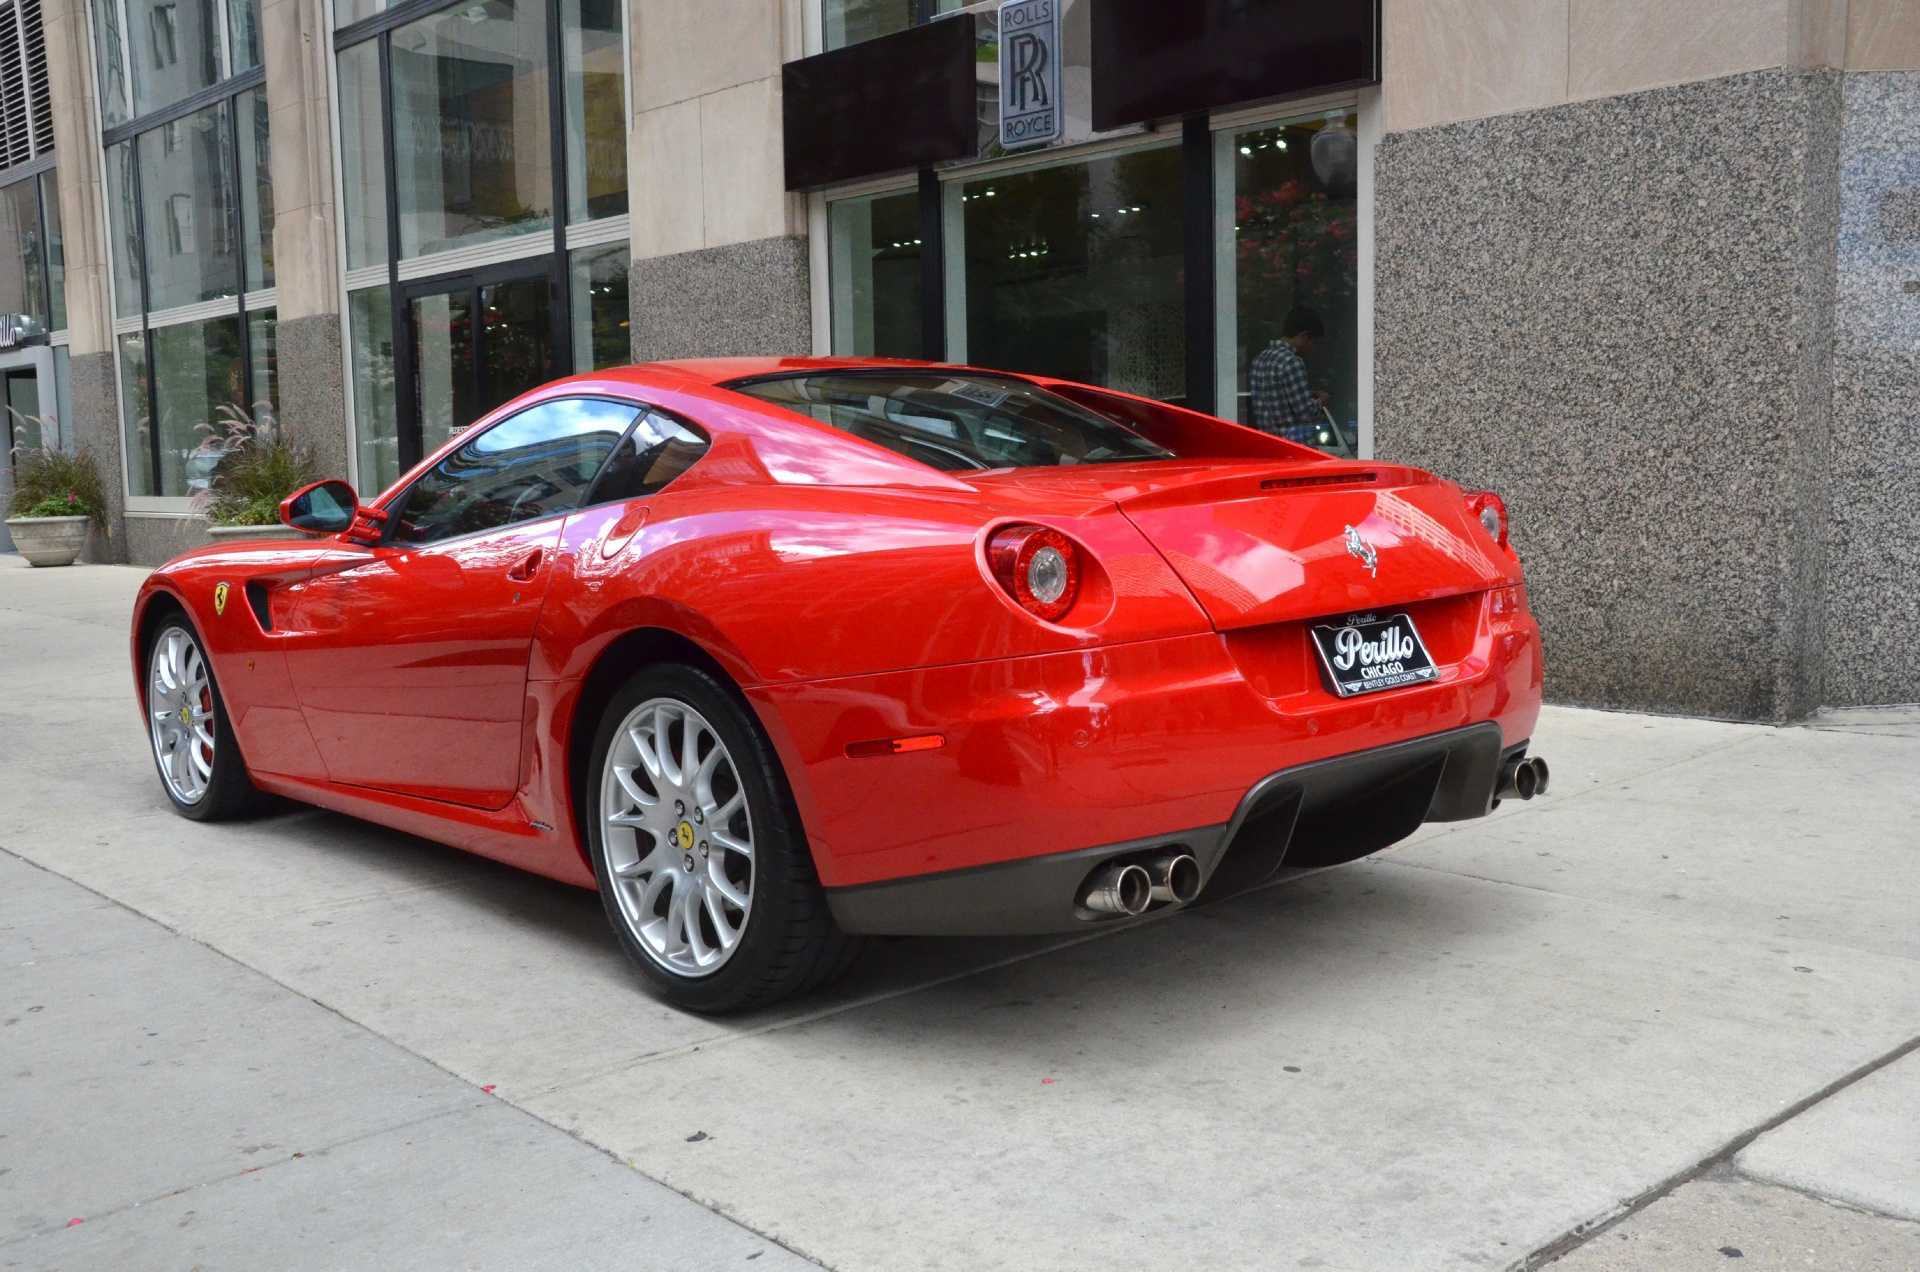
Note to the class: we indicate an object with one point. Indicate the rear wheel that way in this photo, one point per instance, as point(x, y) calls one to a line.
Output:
point(193, 744)
point(704, 872)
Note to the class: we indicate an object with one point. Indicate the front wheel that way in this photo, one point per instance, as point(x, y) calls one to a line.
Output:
point(704, 872)
point(193, 743)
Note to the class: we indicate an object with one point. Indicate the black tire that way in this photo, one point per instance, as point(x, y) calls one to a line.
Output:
point(789, 943)
point(229, 791)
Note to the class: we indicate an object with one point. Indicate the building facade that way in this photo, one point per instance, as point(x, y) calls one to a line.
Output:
point(1651, 271)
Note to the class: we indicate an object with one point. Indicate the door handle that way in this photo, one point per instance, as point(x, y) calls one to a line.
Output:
point(529, 565)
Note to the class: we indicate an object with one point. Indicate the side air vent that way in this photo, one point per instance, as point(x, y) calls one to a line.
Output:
point(257, 602)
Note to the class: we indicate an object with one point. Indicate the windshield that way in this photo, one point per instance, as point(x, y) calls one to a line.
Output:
point(958, 421)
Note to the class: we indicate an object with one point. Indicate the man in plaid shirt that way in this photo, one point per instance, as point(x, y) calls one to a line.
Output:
point(1283, 402)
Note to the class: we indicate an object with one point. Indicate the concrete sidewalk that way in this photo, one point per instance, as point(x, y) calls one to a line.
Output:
point(1666, 1013)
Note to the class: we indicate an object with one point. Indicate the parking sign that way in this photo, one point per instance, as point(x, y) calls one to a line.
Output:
point(1029, 73)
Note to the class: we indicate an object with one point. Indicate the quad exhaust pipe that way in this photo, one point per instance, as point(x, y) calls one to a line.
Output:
point(1176, 878)
point(1128, 888)
point(1521, 777)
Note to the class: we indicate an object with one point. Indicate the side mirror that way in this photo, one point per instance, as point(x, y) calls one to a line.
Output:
point(325, 507)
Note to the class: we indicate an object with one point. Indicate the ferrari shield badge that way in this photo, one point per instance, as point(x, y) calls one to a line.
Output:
point(219, 599)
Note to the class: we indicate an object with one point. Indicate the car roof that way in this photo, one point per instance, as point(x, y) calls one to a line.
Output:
point(723, 370)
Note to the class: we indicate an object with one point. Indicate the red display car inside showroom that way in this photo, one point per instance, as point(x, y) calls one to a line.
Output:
point(777, 653)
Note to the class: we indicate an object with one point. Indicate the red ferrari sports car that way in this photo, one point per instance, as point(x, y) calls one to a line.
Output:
point(776, 653)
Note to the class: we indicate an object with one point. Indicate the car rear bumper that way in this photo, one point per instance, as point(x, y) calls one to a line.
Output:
point(1055, 754)
point(1338, 808)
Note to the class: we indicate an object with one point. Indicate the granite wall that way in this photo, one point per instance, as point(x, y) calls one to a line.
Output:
point(313, 397)
point(96, 429)
point(1872, 606)
point(745, 298)
point(1617, 314)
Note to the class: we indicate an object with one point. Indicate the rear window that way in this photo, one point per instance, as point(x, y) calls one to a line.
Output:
point(958, 422)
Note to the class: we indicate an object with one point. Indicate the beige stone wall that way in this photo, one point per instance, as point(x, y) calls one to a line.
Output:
point(296, 49)
point(76, 143)
point(1448, 60)
point(704, 153)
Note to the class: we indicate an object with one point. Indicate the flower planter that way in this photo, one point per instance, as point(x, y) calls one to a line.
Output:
point(228, 534)
point(48, 540)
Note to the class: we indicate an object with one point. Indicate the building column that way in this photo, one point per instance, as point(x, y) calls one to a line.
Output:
point(298, 50)
point(719, 247)
point(83, 225)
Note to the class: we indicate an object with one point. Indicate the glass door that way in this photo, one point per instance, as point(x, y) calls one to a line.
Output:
point(20, 394)
point(471, 343)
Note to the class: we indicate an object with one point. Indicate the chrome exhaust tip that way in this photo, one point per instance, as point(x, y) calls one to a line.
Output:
point(1176, 878)
point(1116, 888)
point(1521, 778)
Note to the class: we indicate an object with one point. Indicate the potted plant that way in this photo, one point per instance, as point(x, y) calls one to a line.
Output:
point(56, 496)
point(242, 471)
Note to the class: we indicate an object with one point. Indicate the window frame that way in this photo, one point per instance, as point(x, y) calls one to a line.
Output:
point(1202, 299)
point(555, 248)
point(394, 502)
point(144, 320)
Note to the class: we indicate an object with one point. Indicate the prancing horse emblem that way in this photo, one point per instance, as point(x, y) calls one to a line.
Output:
point(1368, 556)
point(219, 599)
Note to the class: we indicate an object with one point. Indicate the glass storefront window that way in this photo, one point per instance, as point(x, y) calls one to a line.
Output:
point(128, 298)
point(56, 255)
point(256, 186)
point(188, 193)
point(198, 383)
point(601, 332)
point(23, 275)
point(154, 53)
point(63, 393)
point(261, 325)
point(135, 424)
point(175, 48)
point(376, 427)
point(348, 12)
point(873, 253)
point(845, 22)
point(1078, 271)
point(595, 82)
point(1288, 267)
point(110, 49)
point(363, 169)
point(244, 16)
point(472, 140)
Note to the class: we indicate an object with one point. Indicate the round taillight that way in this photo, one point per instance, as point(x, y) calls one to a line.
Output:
point(1491, 511)
point(1038, 567)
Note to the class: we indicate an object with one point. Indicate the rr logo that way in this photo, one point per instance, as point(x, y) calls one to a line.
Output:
point(1030, 58)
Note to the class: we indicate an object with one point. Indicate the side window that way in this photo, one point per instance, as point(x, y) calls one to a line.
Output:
point(659, 449)
point(530, 465)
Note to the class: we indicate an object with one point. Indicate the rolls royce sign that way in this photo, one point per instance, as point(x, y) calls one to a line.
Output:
point(1030, 113)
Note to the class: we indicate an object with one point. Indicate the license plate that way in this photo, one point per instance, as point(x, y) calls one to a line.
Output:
point(1367, 654)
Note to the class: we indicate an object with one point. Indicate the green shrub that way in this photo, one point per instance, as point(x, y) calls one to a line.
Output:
point(260, 468)
point(47, 478)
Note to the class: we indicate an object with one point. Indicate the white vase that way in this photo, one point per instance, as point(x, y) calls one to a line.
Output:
point(227, 534)
point(48, 540)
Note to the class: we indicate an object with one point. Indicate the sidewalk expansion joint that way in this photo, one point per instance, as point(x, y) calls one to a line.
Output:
point(1582, 1233)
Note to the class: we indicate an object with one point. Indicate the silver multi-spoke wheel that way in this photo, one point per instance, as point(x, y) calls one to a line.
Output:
point(180, 708)
point(678, 837)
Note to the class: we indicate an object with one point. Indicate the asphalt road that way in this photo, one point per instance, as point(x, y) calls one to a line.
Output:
point(1664, 1018)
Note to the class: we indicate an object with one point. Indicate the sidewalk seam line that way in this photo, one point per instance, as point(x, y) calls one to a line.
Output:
point(1581, 1233)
